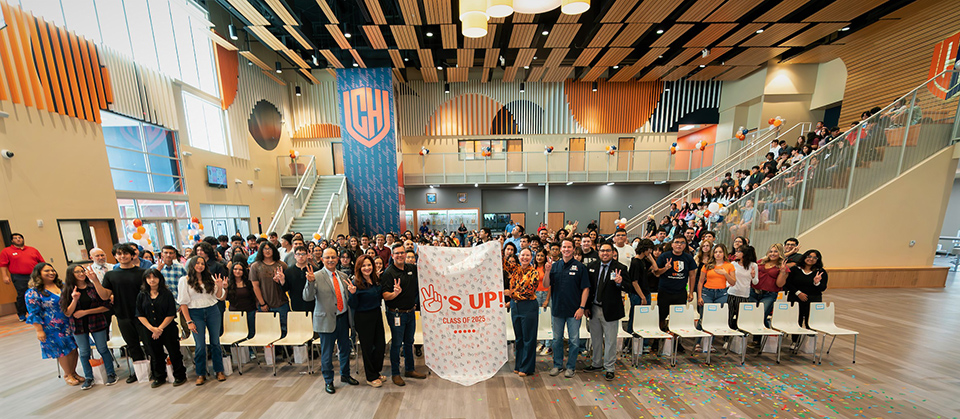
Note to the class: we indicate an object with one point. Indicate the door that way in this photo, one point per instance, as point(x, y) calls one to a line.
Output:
point(163, 233)
point(519, 218)
point(514, 155)
point(337, 158)
point(555, 221)
point(625, 153)
point(608, 220)
point(102, 237)
point(577, 147)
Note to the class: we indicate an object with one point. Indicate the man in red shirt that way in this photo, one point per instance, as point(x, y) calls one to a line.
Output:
point(16, 265)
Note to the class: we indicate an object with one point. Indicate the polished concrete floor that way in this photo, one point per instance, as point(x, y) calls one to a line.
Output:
point(907, 366)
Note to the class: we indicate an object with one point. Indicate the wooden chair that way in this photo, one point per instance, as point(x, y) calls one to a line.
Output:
point(786, 319)
point(716, 322)
point(646, 324)
point(822, 320)
point(750, 321)
point(681, 323)
point(268, 332)
point(299, 333)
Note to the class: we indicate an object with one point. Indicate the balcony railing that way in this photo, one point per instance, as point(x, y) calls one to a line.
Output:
point(292, 204)
point(568, 166)
point(290, 171)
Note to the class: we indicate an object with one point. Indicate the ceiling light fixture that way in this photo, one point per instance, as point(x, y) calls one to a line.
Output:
point(610, 183)
point(616, 67)
point(545, 33)
point(356, 65)
point(526, 67)
point(520, 185)
point(521, 88)
point(406, 59)
point(474, 14)
point(759, 30)
point(446, 88)
point(659, 31)
point(476, 185)
point(569, 183)
point(277, 66)
point(316, 60)
point(439, 67)
point(429, 34)
point(347, 35)
point(844, 29)
point(594, 86)
point(297, 90)
point(702, 66)
point(232, 30)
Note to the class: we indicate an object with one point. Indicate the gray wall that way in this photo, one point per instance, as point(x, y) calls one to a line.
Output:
point(578, 202)
point(951, 220)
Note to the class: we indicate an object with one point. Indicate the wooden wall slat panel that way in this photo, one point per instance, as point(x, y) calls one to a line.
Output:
point(19, 61)
point(53, 75)
point(57, 49)
point(25, 46)
point(81, 82)
point(38, 57)
point(6, 55)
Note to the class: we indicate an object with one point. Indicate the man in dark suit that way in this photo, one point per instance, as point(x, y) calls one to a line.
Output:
point(606, 308)
point(330, 318)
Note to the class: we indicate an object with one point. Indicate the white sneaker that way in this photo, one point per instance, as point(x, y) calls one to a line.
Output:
point(555, 371)
point(569, 373)
point(545, 350)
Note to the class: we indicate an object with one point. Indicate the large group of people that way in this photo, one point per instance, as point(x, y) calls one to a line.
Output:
point(351, 284)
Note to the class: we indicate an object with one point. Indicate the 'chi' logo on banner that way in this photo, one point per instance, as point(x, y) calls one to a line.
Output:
point(366, 113)
point(945, 58)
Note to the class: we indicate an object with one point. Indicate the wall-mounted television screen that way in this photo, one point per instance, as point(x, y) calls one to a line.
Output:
point(217, 177)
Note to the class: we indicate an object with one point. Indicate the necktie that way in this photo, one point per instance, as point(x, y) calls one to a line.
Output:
point(336, 287)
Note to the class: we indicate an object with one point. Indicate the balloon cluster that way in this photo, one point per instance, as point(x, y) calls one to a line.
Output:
point(715, 208)
point(140, 235)
point(701, 145)
point(775, 122)
point(741, 133)
point(195, 229)
point(486, 151)
point(673, 149)
point(621, 223)
point(611, 150)
point(294, 154)
point(547, 149)
point(424, 151)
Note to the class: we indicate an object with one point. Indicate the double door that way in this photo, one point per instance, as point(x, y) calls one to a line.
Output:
point(163, 232)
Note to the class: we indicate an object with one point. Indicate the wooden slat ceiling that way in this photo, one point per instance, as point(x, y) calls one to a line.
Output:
point(457, 75)
point(736, 73)
point(613, 33)
point(820, 54)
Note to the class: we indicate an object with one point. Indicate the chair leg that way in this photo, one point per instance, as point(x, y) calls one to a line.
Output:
point(831, 343)
point(743, 350)
point(815, 348)
point(676, 341)
point(59, 374)
point(709, 347)
point(854, 348)
point(779, 346)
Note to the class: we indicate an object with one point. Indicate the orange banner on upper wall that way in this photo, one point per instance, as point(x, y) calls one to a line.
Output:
point(616, 107)
point(48, 68)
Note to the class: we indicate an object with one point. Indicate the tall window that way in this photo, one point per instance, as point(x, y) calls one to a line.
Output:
point(143, 157)
point(164, 222)
point(166, 35)
point(204, 124)
point(473, 149)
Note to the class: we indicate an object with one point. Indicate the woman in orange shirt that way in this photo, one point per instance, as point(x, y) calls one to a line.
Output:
point(715, 276)
point(524, 280)
point(543, 294)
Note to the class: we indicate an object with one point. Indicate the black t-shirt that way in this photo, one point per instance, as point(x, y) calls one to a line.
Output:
point(297, 279)
point(156, 309)
point(795, 258)
point(674, 280)
point(590, 257)
point(125, 284)
point(409, 284)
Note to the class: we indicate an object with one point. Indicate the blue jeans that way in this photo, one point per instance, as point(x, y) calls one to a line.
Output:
point(524, 315)
point(767, 298)
point(83, 347)
point(341, 337)
point(204, 319)
point(283, 310)
point(573, 333)
point(401, 335)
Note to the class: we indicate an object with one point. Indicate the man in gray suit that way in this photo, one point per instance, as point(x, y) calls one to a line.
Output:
point(330, 318)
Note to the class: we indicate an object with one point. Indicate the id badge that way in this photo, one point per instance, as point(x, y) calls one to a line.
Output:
point(396, 321)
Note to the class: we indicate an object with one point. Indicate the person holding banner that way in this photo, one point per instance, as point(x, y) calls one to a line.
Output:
point(570, 289)
point(329, 288)
point(365, 300)
point(524, 280)
point(399, 285)
point(606, 279)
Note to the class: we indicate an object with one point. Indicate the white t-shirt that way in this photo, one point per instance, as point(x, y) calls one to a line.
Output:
point(744, 279)
point(625, 254)
point(188, 296)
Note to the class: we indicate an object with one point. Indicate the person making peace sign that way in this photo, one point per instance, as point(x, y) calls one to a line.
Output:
point(330, 290)
point(399, 287)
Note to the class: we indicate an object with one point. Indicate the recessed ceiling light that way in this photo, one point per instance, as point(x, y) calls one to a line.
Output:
point(347, 35)
point(616, 67)
point(406, 59)
point(526, 67)
point(356, 65)
point(660, 56)
point(534, 57)
point(702, 66)
point(659, 31)
point(610, 183)
point(520, 185)
point(569, 183)
point(475, 185)
point(545, 32)
point(759, 30)
point(439, 68)
point(429, 34)
point(845, 28)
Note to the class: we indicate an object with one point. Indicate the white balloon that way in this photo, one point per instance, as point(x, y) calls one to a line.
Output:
point(723, 211)
point(713, 207)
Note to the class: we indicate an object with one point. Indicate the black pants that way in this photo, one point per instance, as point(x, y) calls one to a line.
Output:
point(733, 307)
point(20, 283)
point(369, 325)
point(664, 301)
point(170, 339)
point(804, 306)
point(133, 333)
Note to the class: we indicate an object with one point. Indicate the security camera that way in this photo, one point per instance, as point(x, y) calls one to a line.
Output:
point(7, 154)
point(237, 181)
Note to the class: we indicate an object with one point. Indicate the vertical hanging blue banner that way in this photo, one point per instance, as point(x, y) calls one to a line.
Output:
point(369, 137)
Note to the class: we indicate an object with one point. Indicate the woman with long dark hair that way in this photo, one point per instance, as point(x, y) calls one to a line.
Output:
point(156, 310)
point(240, 295)
point(88, 315)
point(54, 330)
point(806, 283)
point(346, 263)
point(746, 273)
point(198, 295)
point(365, 302)
point(524, 280)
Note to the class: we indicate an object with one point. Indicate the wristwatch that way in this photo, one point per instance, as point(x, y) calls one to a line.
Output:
point(583, 308)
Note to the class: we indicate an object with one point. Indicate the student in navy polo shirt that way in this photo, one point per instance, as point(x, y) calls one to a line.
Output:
point(570, 288)
point(676, 282)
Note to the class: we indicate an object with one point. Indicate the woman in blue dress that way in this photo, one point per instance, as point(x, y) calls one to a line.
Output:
point(54, 330)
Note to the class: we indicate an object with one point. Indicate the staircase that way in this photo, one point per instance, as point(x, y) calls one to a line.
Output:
point(753, 153)
point(311, 218)
point(861, 161)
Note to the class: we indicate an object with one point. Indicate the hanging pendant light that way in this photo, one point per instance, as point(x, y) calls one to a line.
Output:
point(473, 16)
point(499, 8)
point(574, 7)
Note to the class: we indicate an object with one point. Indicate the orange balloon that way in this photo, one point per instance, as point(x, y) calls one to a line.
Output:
point(137, 236)
point(777, 122)
point(316, 236)
point(770, 121)
point(149, 241)
point(141, 230)
point(137, 223)
point(200, 226)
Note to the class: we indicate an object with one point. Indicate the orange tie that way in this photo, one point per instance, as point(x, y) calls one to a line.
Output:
point(336, 287)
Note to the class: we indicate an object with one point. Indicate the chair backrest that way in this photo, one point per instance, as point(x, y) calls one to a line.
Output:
point(750, 316)
point(646, 317)
point(235, 323)
point(300, 325)
point(715, 316)
point(544, 322)
point(268, 325)
point(785, 315)
point(115, 328)
point(681, 317)
point(822, 316)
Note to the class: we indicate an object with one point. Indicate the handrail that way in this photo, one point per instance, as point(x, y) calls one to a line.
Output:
point(292, 205)
point(709, 177)
point(326, 223)
point(800, 172)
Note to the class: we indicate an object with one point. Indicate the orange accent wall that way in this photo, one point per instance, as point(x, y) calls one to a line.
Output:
point(317, 131)
point(687, 142)
point(616, 107)
point(228, 74)
point(49, 68)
